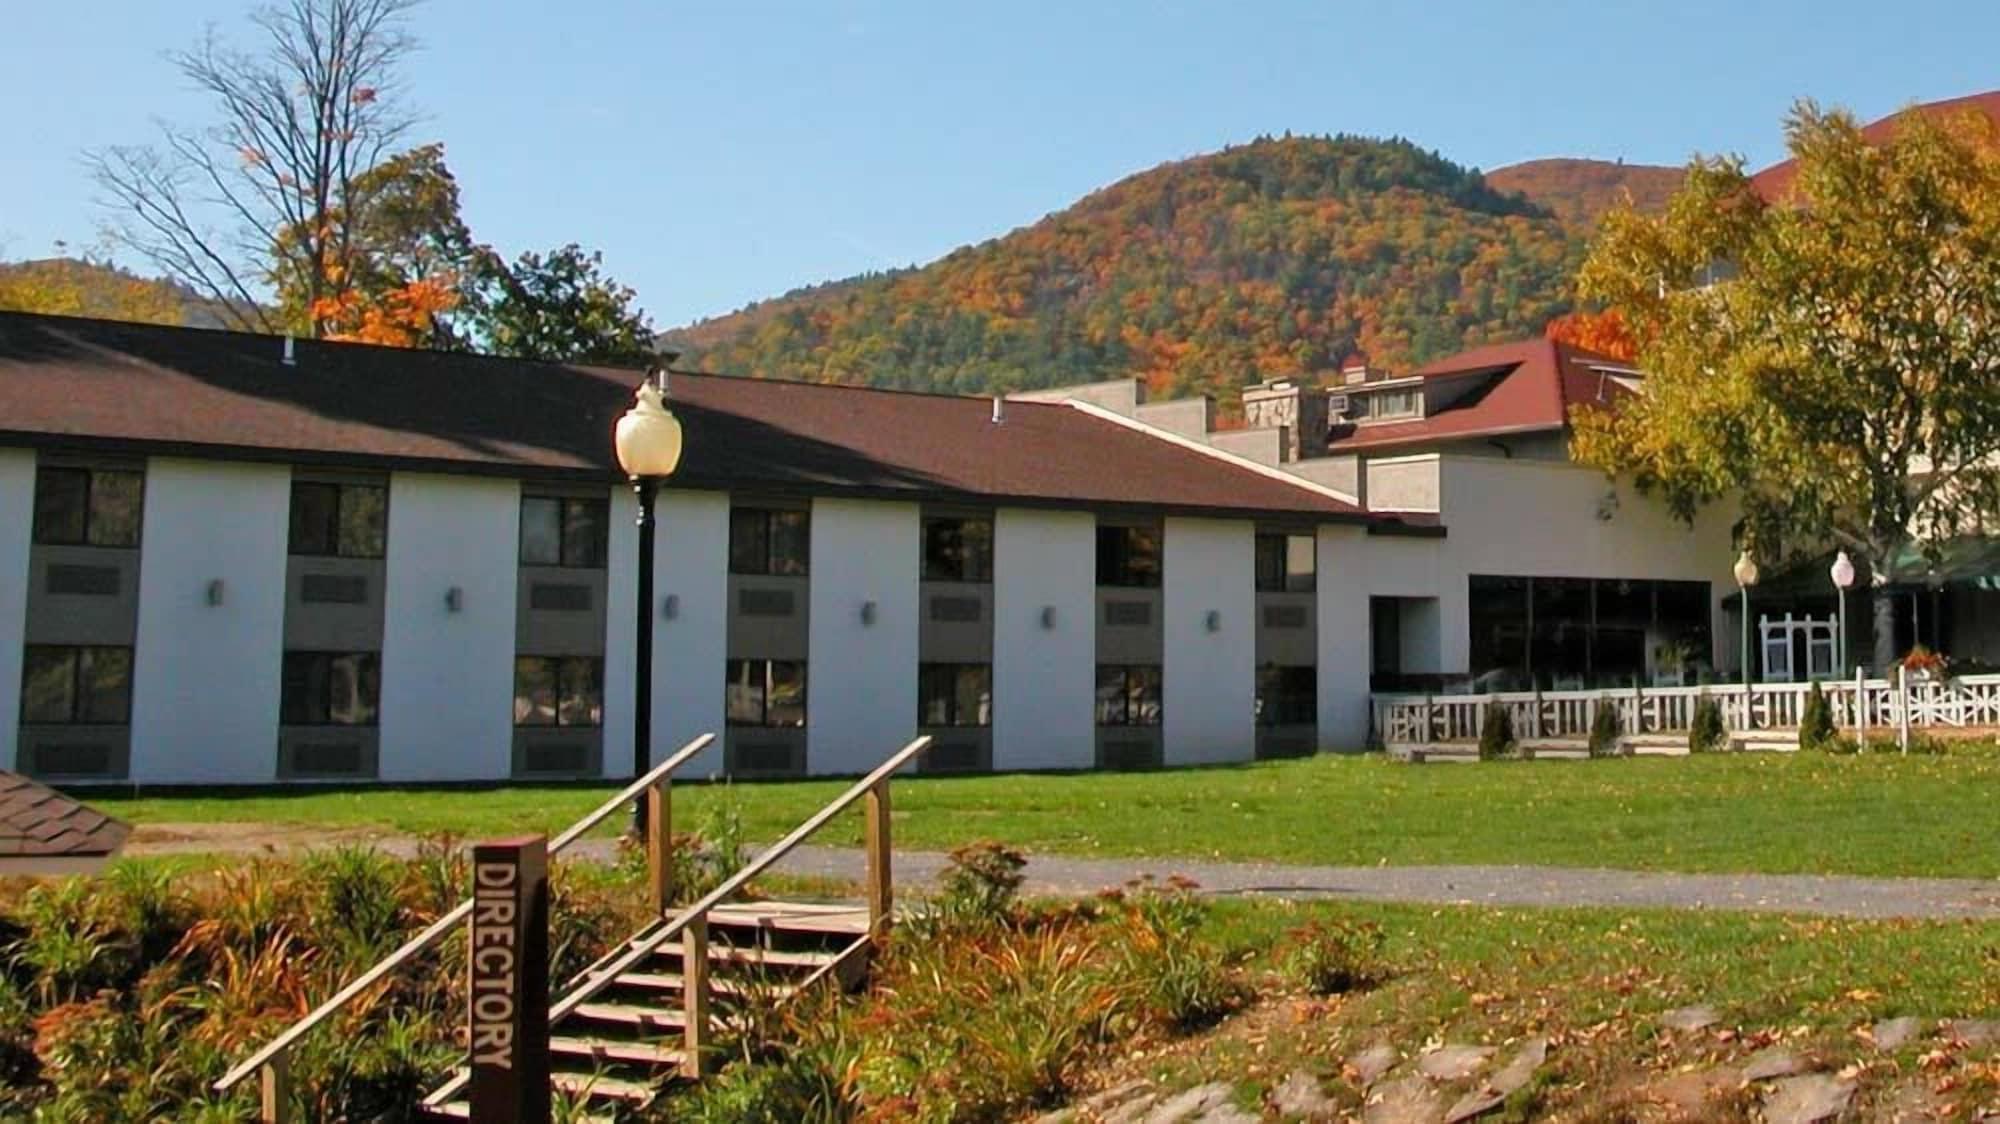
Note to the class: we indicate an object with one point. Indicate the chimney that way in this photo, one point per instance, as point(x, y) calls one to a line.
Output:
point(1298, 406)
point(291, 358)
point(1355, 370)
point(999, 409)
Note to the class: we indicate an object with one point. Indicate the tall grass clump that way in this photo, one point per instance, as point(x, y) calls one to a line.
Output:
point(1334, 957)
point(1816, 729)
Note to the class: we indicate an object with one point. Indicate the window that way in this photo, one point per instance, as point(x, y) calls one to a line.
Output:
point(764, 693)
point(563, 531)
point(331, 689)
point(766, 541)
point(88, 507)
point(558, 691)
point(1384, 404)
point(1128, 695)
point(1286, 563)
point(955, 694)
point(1570, 633)
point(958, 550)
point(1287, 696)
point(1128, 556)
point(76, 686)
point(339, 520)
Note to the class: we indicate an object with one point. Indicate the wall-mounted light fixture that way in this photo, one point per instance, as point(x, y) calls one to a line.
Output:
point(454, 599)
point(867, 613)
point(215, 591)
point(1213, 620)
point(671, 607)
point(1048, 616)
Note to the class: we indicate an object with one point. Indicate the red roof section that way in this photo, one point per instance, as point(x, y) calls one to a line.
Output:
point(36, 821)
point(1534, 384)
point(1775, 182)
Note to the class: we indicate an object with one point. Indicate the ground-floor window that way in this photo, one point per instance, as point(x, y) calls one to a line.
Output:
point(558, 691)
point(71, 685)
point(765, 693)
point(330, 689)
point(1128, 694)
point(1287, 696)
point(954, 694)
point(1571, 633)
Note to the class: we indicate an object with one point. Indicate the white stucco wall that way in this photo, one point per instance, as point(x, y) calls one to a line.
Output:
point(1044, 679)
point(861, 678)
point(1209, 677)
point(621, 595)
point(17, 519)
point(692, 566)
point(206, 678)
point(448, 678)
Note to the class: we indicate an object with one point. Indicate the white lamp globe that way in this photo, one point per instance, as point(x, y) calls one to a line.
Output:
point(1843, 570)
point(1746, 570)
point(648, 437)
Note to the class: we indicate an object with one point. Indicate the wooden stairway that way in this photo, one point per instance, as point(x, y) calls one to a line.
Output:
point(627, 1041)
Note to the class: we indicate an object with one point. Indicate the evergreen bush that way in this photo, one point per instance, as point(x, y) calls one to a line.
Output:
point(1604, 729)
point(1496, 733)
point(1706, 734)
point(1816, 722)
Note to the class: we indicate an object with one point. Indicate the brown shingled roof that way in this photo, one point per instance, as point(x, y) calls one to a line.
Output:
point(66, 381)
point(38, 822)
point(1535, 384)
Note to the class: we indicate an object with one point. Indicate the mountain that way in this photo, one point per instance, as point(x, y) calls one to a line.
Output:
point(1277, 257)
point(1579, 191)
point(79, 287)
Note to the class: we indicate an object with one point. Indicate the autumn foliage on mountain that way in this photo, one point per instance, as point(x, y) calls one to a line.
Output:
point(1578, 191)
point(1277, 257)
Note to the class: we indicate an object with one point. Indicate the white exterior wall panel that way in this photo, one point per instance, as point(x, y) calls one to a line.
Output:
point(1044, 679)
point(17, 520)
point(206, 676)
point(861, 675)
point(448, 677)
point(692, 566)
point(1209, 677)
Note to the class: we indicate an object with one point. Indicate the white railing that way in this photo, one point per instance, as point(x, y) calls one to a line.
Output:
point(1875, 704)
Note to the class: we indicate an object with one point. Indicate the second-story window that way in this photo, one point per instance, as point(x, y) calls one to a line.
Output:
point(958, 550)
point(339, 520)
point(768, 541)
point(1286, 563)
point(1128, 556)
point(563, 531)
point(88, 506)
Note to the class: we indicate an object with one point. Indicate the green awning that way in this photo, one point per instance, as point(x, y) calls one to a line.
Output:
point(1968, 562)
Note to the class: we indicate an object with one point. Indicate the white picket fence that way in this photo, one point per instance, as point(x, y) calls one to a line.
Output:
point(1973, 700)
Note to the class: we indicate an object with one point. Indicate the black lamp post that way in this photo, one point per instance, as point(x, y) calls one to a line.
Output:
point(648, 440)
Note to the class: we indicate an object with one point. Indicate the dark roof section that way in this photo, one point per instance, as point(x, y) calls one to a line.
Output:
point(1775, 182)
point(1535, 383)
point(91, 383)
point(38, 822)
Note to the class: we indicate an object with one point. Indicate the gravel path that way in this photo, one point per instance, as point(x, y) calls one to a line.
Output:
point(1829, 895)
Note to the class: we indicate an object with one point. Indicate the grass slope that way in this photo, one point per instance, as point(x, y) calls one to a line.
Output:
point(1800, 813)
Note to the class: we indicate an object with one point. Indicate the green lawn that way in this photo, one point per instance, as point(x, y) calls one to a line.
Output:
point(1800, 813)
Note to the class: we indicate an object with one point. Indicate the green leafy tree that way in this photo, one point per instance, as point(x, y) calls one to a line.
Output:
point(1831, 359)
point(558, 306)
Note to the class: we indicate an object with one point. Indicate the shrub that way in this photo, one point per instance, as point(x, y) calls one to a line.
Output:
point(1180, 979)
point(980, 884)
point(1706, 733)
point(1496, 732)
point(1816, 728)
point(1332, 957)
point(1604, 729)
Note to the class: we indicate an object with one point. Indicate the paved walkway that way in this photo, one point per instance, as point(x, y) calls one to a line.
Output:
point(1475, 885)
point(1829, 895)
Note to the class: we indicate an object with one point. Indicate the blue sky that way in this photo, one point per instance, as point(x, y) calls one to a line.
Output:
point(723, 152)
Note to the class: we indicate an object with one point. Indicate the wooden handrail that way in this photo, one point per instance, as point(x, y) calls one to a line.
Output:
point(436, 930)
point(599, 975)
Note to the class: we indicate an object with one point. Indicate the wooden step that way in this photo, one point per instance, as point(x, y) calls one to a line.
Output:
point(796, 917)
point(599, 1086)
point(632, 1014)
point(604, 1050)
point(770, 956)
point(673, 983)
